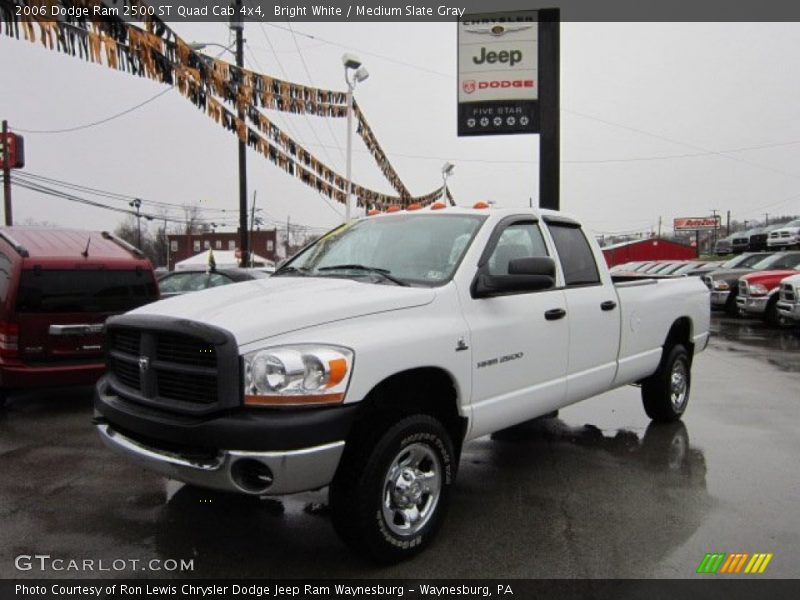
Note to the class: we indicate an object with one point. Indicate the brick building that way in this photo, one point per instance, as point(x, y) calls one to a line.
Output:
point(182, 246)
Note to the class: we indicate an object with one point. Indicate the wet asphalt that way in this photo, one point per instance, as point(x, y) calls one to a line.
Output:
point(595, 492)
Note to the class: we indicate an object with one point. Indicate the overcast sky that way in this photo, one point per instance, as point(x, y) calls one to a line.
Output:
point(631, 93)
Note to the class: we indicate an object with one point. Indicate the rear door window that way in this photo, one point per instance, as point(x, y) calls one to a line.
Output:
point(82, 291)
point(575, 255)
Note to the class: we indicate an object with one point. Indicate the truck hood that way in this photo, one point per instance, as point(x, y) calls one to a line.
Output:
point(728, 274)
point(768, 276)
point(254, 310)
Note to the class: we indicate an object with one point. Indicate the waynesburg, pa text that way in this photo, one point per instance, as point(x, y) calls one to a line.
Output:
point(254, 590)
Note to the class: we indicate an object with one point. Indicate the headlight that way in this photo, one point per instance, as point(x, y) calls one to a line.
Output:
point(756, 289)
point(297, 375)
point(721, 285)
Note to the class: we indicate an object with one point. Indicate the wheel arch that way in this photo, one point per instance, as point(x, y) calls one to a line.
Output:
point(421, 390)
point(681, 332)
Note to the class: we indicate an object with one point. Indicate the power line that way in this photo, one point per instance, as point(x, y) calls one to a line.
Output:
point(95, 123)
point(311, 81)
point(367, 52)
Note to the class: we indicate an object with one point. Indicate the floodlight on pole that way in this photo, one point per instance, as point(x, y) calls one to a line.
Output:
point(351, 63)
point(447, 171)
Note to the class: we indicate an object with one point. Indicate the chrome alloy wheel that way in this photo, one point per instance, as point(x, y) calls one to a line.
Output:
point(679, 384)
point(411, 489)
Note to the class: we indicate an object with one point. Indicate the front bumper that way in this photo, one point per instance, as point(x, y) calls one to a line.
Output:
point(789, 311)
point(756, 306)
point(719, 298)
point(287, 471)
point(299, 449)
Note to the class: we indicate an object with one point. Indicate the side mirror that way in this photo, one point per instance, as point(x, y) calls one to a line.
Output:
point(525, 275)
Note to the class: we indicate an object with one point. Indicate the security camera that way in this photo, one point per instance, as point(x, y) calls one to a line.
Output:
point(351, 61)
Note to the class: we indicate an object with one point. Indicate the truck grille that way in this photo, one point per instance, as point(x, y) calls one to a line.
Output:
point(173, 370)
point(788, 293)
point(743, 288)
point(708, 281)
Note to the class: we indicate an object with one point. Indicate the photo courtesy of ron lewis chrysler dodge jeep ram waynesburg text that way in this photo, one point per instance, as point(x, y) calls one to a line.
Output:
point(367, 360)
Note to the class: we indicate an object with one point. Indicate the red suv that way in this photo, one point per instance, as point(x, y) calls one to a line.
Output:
point(57, 287)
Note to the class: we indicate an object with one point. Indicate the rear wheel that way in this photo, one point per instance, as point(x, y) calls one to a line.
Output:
point(665, 394)
point(389, 495)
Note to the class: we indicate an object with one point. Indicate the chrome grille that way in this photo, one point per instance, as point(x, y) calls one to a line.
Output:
point(743, 288)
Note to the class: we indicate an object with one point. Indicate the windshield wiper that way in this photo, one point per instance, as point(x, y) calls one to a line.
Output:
point(385, 273)
point(291, 270)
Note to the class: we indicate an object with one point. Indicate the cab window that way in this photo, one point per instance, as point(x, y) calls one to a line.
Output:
point(519, 240)
point(575, 255)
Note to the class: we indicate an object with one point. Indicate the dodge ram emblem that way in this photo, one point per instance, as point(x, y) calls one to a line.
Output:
point(144, 364)
point(469, 86)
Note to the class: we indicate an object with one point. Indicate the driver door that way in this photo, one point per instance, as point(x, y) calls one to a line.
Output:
point(519, 340)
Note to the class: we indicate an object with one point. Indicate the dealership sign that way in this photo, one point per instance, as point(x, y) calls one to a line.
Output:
point(16, 151)
point(696, 223)
point(498, 68)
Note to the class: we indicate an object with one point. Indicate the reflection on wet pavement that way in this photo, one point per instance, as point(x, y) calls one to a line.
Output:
point(752, 337)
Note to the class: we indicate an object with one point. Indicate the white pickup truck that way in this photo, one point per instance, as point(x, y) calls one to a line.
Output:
point(371, 357)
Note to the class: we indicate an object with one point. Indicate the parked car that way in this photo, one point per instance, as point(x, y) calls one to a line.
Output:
point(724, 246)
point(182, 282)
point(57, 288)
point(786, 236)
point(691, 268)
point(759, 237)
point(740, 241)
point(371, 356)
point(759, 291)
point(789, 300)
point(724, 282)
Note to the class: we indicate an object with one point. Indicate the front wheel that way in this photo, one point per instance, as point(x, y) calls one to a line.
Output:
point(665, 394)
point(389, 497)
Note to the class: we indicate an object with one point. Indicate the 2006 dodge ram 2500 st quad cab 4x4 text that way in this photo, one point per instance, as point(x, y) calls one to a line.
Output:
point(367, 361)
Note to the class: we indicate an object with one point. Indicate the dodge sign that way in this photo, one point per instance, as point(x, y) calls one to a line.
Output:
point(498, 84)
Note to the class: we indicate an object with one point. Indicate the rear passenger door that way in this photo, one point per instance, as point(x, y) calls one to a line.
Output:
point(592, 313)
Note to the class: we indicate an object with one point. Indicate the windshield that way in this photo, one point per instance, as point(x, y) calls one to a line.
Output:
point(778, 261)
point(416, 249)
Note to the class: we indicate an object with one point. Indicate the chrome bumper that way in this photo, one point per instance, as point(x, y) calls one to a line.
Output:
point(752, 305)
point(789, 311)
point(719, 298)
point(287, 471)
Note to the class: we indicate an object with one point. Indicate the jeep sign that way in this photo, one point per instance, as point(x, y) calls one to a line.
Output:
point(498, 85)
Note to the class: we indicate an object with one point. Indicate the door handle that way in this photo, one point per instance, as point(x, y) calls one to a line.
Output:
point(554, 314)
point(608, 305)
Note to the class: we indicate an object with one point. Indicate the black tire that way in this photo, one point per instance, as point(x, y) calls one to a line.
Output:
point(771, 315)
point(372, 488)
point(664, 397)
point(731, 306)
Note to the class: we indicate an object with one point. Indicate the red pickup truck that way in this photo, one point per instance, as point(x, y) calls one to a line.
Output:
point(759, 293)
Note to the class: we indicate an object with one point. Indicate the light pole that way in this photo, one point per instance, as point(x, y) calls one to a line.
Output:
point(447, 171)
point(350, 62)
point(137, 204)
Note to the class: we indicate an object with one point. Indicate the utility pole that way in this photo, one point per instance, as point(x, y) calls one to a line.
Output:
point(728, 225)
point(252, 225)
point(714, 212)
point(7, 176)
point(137, 204)
point(288, 229)
point(659, 227)
point(766, 219)
point(237, 24)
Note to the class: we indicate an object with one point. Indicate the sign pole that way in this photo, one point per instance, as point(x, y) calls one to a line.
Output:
point(6, 175)
point(549, 108)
